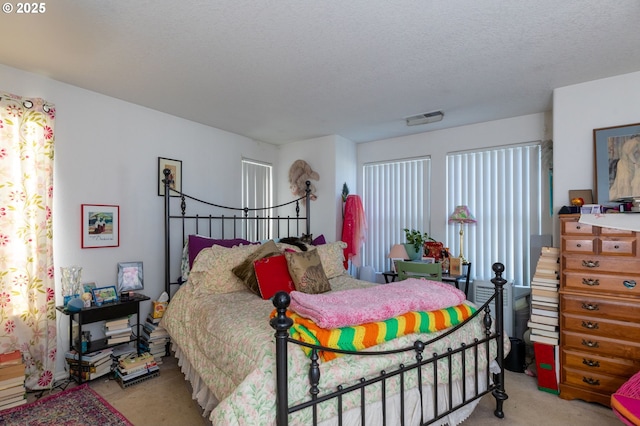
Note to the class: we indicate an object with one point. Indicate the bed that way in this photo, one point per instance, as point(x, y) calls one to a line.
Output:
point(247, 360)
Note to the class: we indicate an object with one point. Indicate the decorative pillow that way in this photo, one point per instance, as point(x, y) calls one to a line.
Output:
point(211, 272)
point(332, 258)
point(198, 242)
point(306, 270)
point(318, 241)
point(273, 276)
point(245, 270)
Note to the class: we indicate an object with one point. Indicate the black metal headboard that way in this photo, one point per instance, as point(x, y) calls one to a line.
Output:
point(211, 221)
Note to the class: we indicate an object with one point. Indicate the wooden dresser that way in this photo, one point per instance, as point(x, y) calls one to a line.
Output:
point(599, 309)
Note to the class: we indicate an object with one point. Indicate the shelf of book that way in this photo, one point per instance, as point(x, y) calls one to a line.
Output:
point(543, 321)
point(12, 376)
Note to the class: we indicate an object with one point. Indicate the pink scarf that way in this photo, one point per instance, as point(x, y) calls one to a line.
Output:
point(354, 228)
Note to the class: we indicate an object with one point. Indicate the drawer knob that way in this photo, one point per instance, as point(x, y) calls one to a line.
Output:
point(590, 263)
point(590, 282)
point(590, 344)
point(590, 306)
point(590, 363)
point(616, 247)
point(578, 245)
point(591, 381)
point(629, 283)
point(590, 325)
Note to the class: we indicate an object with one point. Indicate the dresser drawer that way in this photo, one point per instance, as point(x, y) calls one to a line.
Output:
point(579, 245)
point(627, 285)
point(617, 246)
point(599, 364)
point(593, 381)
point(596, 307)
point(613, 231)
point(599, 345)
point(577, 262)
point(573, 227)
point(598, 326)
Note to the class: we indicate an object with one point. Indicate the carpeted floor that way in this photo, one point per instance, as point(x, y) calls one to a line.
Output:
point(166, 401)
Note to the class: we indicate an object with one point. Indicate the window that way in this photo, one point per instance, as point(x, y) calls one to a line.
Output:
point(503, 189)
point(395, 196)
point(257, 193)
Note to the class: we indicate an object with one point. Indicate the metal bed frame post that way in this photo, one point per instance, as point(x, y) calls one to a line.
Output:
point(167, 260)
point(281, 323)
point(499, 393)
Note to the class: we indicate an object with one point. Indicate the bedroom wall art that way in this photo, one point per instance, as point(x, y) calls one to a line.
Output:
point(299, 173)
point(176, 175)
point(100, 225)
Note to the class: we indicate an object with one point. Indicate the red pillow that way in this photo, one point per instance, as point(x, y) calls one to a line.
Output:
point(273, 276)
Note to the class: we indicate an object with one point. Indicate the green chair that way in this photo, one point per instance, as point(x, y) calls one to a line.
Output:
point(430, 271)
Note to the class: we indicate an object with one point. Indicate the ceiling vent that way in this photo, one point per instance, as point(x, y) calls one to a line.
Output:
point(426, 118)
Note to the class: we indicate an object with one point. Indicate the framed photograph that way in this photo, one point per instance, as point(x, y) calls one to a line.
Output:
point(130, 277)
point(455, 266)
point(617, 163)
point(175, 166)
point(105, 295)
point(100, 225)
point(88, 287)
point(393, 263)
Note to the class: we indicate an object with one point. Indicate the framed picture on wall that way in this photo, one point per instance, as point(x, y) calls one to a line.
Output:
point(617, 162)
point(175, 167)
point(100, 225)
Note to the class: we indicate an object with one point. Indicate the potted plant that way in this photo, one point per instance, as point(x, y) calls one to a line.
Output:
point(415, 243)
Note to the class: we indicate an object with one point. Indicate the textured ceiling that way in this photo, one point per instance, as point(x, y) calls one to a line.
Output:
point(286, 70)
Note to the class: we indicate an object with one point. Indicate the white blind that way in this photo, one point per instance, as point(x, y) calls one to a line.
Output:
point(503, 189)
point(257, 192)
point(395, 196)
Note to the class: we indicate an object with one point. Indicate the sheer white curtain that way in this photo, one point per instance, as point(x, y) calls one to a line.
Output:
point(257, 192)
point(503, 189)
point(395, 196)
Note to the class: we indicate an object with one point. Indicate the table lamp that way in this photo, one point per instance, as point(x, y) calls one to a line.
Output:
point(462, 215)
point(397, 252)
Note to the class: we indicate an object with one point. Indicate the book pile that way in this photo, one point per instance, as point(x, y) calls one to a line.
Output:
point(154, 338)
point(12, 390)
point(117, 331)
point(92, 365)
point(134, 368)
point(545, 297)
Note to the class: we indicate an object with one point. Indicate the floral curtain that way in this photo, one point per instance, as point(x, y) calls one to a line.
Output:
point(27, 303)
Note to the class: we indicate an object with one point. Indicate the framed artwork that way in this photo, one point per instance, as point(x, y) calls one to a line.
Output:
point(105, 295)
point(175, 166)
point(617, 162)
point(100, 225)
point(88, 287)
point(130, 277)
point(455, 266)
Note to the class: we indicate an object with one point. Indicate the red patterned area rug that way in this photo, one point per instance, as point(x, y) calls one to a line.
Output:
point(74, 407)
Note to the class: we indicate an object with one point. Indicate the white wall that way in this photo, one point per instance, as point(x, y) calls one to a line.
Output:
point(106, 152)
point(577, 110)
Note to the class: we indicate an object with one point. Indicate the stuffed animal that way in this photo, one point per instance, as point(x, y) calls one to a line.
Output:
point(299, 173)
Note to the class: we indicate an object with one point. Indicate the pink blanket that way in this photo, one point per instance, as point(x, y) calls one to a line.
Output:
point(359, 306)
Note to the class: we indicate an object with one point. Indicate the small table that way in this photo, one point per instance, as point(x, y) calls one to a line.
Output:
point(390, 276)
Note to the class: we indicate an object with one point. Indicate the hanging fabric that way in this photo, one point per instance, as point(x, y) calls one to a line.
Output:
point(354, 229)
point(27, 302)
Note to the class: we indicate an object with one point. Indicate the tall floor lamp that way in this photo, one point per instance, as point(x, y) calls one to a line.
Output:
point(462, 215)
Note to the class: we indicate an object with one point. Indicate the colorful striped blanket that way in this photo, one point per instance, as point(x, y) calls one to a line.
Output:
point(359, 337)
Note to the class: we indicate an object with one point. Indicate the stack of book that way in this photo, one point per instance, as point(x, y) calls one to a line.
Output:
point(154, 338)
point(117, 331)
point(12, 390)
point(92, 365)
point(134, 368)
point(545, 297)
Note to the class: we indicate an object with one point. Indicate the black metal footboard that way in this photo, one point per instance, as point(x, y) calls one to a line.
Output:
point(467, 353)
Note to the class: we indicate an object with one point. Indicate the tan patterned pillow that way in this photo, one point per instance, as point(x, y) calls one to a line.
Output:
point(245, 270)
point(212, 269)
point(332, 257)
point(306, 271)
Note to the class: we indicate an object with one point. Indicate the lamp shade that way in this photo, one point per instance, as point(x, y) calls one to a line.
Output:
point(398, 252)
point(461, 214)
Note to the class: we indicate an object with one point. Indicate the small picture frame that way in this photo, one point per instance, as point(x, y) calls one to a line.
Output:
point(130, 277)
point(100, 225)
point(104, 295)
point(394, 260)
point(88, 287)
point(175, 166)
point(455, 266)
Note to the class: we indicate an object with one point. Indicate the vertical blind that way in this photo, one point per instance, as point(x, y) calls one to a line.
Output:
point(503, 189)
point(395, 196)
point(257, 192)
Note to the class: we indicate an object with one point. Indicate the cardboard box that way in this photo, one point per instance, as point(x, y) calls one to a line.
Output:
point(158, 309)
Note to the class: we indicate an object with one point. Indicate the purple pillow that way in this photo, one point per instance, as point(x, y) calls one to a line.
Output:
point(318, 241)
point(197, 243)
